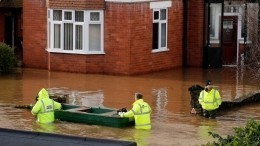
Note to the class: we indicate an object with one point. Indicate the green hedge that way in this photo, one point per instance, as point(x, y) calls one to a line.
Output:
point(7, 58)
point(243, 136)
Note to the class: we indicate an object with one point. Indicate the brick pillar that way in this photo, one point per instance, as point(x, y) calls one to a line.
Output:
point(34, 34)
point(195, 33)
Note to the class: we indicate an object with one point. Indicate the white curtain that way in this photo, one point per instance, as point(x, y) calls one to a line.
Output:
point(94, 37)
point(163, 35)
point(57, 34)
point(79, 37)
point(68, 36)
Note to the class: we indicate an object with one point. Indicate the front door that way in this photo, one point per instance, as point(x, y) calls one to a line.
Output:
point(229, 53)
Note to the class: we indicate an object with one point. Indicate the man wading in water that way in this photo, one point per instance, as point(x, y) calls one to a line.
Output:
point(210, 100)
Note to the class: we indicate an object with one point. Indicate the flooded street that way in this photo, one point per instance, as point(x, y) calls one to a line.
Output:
point(166, 92)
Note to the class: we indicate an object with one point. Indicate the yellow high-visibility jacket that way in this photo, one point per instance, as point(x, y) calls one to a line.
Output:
point(210, 100)
point(44, 107)
point(141, 111)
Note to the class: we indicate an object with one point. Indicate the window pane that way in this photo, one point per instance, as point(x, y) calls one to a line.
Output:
point(228, 31)
point(163, 35)
point(68, 36)
point(215, 19)
point(57, 32)
point(79, 16)
point(155, 15)
point(163, 14)
point(94, 37)
point(57, 15)
point(155, 35)
point(79, 37)
point(94, 16)
point(215, 11)
point(68, 16)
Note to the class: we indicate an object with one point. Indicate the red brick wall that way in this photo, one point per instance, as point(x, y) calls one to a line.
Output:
point(195, 33)
point(130, 41)
point(77, 63)
point(2, 26)
point(77, 4)
point(117, 37)
point(34, 34)
point(127, 41)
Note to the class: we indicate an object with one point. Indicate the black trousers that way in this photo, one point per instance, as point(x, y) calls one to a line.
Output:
point(210, 114)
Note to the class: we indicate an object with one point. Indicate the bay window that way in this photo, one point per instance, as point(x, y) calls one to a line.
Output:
point(75, 31)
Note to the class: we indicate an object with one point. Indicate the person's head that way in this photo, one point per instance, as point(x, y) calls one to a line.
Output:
point(138, 96)
point(209, 85)
point(42, 94)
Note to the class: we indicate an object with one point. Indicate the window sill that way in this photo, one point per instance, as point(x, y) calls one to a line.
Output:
point(159, 50)
point(74, 52)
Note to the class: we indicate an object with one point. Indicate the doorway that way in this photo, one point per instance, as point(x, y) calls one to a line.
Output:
point(229, 53)
point(9, 34)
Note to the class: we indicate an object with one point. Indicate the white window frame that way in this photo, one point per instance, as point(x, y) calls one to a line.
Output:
point(85, 32)
point(83, 35)
point(160, 49)
point(102, 30)
point(215, 39)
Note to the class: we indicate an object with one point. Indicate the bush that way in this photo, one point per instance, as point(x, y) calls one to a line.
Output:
point(247, 136)
point(7, 58)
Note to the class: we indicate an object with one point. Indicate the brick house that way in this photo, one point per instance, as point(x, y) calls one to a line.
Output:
point(126, 36)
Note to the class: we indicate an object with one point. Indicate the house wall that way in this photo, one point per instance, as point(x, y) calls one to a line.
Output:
point(195, 33)
point(2, 21)
point(34, 34)
point(127, 40)
point(76, 4)
point(142, 59)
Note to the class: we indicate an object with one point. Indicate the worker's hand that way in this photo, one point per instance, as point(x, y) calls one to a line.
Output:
point(120, 114)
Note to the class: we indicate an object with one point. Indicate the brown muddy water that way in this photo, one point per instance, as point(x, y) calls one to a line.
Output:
point(166, 92)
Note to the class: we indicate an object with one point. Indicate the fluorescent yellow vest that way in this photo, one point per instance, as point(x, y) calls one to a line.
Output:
point(142, 114)
point(44, 107)
point(210, 100)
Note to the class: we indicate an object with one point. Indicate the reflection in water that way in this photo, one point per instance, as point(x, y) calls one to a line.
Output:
point(166, 92)
point(47, 128)
point(160, 110)
point(142, 136)
point(86, 98)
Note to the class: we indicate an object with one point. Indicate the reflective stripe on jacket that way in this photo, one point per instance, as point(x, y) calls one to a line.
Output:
point(210, 100)
point(142, 114)
point(44, 107)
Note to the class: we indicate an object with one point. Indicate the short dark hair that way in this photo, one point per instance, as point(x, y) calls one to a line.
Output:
point(138, 95)
point(208, 82)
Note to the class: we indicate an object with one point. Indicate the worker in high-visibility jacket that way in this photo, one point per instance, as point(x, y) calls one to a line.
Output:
point(141, 112)
point(44, 107)
point(210, 100)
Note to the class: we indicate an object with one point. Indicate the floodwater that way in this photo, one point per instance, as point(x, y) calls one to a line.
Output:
point(166, 92)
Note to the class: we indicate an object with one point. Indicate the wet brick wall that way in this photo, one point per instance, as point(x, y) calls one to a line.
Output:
point(195, 33)
point(34, 34)
point(127, 41)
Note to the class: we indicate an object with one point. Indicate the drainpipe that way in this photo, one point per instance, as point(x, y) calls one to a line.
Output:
point(185, 33)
